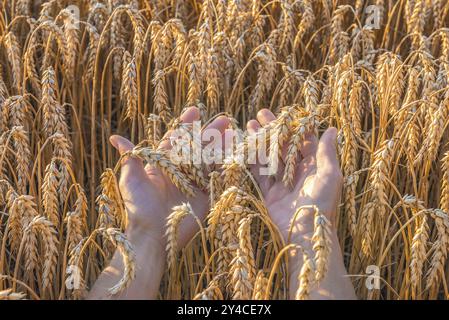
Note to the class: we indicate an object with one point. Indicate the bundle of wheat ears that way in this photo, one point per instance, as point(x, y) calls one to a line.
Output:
point(74, 72)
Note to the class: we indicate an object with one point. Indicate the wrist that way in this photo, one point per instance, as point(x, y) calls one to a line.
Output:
point(143, 238)
point(300, 231)
point(304, 243)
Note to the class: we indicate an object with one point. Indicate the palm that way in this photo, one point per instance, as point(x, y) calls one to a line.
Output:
point(282, 202)
point(317, 182)
point(149, 195)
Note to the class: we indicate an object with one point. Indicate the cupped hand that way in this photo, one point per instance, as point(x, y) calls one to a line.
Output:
point(149, 195)
point(317, 182)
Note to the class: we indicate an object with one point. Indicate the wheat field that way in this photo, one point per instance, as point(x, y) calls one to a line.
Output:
point(74, 72)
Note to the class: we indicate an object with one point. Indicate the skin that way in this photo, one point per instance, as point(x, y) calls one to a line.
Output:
point(149, 197)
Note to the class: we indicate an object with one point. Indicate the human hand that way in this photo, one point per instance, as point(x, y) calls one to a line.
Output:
point(149, 195)
point(317, 182)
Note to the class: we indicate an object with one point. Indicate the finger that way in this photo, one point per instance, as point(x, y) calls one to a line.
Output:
point(130, 167)
point(188, 116)
point(220, 126)
point(305, 161)
point(253, 126)
point(221, 123)
point(326, 156)
point(309, 145)
point(265, 116)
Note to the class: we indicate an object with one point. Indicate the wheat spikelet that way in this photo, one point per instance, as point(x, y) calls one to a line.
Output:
point(54, 31)
point(266, 56)
point(286, 24)
point(305, 126)
point(3, 97)
point(62, 150)
point(291, 79)
point(439, 248)
point(14, 56)
point(46, 10)
point(243, 265)
point(4, 189)
point(72, 37)
point(340, 39)
point(129, 91)
point(369, 52)
point(431, 143)
point(22, 7)
point(194, 88)
point(444, 194)
point(53, 113)
point(408, 10)
point(92, 50)
point(75, 227)
point(389, 71)
point(22, 211)
point(306, 278)
point(110, 199)
point(212, 87)
point(117, 39)
point(212, 292)
point(30, 70)
point(416, 22)
point(129, 259)
point(76, 261)
point(306, 22)
point(429, 101)
point(105, 211)
point(281, 130)
point(161, 102)
point(379, 174)
point(232, 173)
point(139, 32)
point(159, 160)
point(40, 225)
point(81, 203)
point(179, 36)
point(227, 235)
point(50, 193)
point(188, 144)
point(397, 84)
point(311, 95)
point(418, 251)
point(367, 227)
point(352, 132)
point(321, 244)
point(153, 129)
point(260, 285)
point(16, 112)
point(223, 222)
point(173, 222)
point(98, 13)
point(23, 159)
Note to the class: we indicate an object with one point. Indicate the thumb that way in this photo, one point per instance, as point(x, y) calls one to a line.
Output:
point(326, 155)
point(131, 167)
